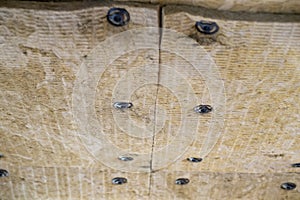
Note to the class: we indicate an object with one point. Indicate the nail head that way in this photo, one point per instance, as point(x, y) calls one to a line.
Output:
point(118, 16)
point(3, 173)
point(182, 181)
point(119, 181)
point(203, 109)
point(125, 158)
point(288, 186)
point(194, 159)
point(295, 165)
point(207, 27)
point(122, 105)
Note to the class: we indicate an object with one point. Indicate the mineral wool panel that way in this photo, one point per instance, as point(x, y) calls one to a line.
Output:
point(256, 58)
point(46, 48)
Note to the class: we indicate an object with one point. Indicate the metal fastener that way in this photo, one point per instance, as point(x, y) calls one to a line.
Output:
point(182, 181)
point(3, 173)
point(122, 105)
point(125, 158)
point(118, 16)
point(119, 180)
point(203, 109)
point(288, 186)
point(194, 159)
point(295, 165)
point(207, 27)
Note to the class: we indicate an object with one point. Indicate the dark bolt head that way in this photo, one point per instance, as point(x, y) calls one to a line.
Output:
point(119, 181)
point(295, 165)
point(207, 27)
point(182, 181)
point(193, 159)
point(118, 16)
point(122, 105)
point(125, 158)
point(288, 186)
point(203, 109)
point(3, 173)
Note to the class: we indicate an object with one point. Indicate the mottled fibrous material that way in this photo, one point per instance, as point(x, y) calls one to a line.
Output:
point(63, 65)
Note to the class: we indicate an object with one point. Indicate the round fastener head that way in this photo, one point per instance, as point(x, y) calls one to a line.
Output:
point(288, 186)
point(118, 16)
point(3, 173)
point(203, 109)
point(207, 27)
point(194, 159)
point(122, 105)
point(182, 181)
point(119, 181)
point(125, 158)
point(295, 165)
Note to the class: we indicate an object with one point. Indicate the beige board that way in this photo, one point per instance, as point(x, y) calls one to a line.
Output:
point(68, 182)
point(256, 56)
point(258, 63)
point(60, 77)
point(46, 50)
point(212, 185)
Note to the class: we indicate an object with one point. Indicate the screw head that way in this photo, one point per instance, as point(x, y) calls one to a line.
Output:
point(194, 159)
point(288, 186)
point(203, 109)
point(118, 16)
point(295, 165)
point(122, 105)
point(207, 27)
point(125, 158)
point(182, 181)
point(3, 173)
point(119, 181)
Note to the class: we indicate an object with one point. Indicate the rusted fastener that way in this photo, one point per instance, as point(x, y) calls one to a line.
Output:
point(207, 27)
point(118, 16)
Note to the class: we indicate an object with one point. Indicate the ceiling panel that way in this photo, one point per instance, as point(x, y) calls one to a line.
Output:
point(249, 73)
point(62, 67)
